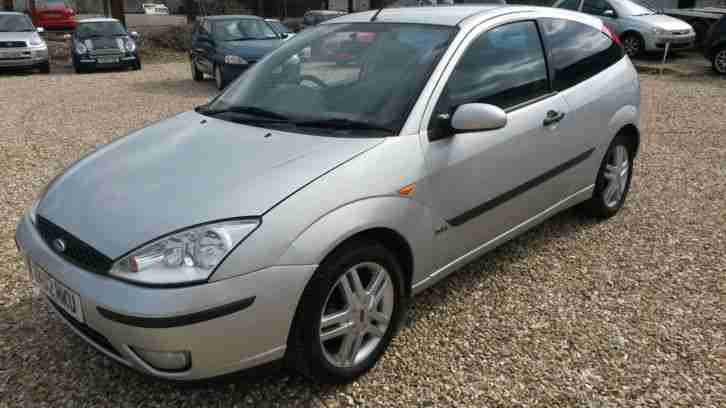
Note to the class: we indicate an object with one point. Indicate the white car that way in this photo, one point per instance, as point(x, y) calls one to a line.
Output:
point(155, 9)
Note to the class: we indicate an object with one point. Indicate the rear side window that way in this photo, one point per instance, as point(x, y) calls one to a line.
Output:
point(577, 51)
point(596, 7)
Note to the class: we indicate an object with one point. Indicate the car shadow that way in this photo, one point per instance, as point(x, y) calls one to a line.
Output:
point(41, 349)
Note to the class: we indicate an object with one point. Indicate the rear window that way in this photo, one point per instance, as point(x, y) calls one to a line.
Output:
point(577, 51)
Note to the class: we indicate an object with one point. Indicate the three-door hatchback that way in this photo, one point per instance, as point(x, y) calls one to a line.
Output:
point(294, 215)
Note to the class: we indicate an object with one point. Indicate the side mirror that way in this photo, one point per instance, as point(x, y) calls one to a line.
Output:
point(609, 13)
point(134, 34)
point(478, 116)
point(40, 30)
point(284, 35)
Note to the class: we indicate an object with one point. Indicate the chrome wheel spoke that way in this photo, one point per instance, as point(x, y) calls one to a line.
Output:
point(336, 318)
point(343, 329)
point(380, 317)
point(345, 350)
point(360, 292)
point(376, 331)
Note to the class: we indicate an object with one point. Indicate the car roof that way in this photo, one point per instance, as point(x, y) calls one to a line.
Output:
point(456, 15)
point(232, 16)
point(98, 20)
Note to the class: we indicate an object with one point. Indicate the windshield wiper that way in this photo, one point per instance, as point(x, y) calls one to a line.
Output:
point(345, 124)
point(247, 110)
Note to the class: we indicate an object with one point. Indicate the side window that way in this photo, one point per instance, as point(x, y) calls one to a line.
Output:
point(504, 67)
point(569, 4)
point(595, 7)
point(577, 51)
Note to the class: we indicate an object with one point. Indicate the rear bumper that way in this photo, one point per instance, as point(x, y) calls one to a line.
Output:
point(66, 24)
point(225, 326)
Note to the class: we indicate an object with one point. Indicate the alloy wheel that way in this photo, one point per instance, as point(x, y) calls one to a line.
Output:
point(616, 174)
point(719, 61)
point(632, 45)
point(356, 314)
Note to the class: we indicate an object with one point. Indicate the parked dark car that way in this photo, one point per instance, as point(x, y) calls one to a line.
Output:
point(714, 48)
point(225, 46)
point(315, 17)
point(104, 43)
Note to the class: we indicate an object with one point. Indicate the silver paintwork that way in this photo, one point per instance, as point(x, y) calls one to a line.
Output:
point(315, 192)
point(675, 31)
point(356, 329)
point(478, 116)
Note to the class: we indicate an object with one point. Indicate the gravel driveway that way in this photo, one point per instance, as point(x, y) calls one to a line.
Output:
point(631, 311)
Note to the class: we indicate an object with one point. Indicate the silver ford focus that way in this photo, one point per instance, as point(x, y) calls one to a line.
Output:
point(294, 215)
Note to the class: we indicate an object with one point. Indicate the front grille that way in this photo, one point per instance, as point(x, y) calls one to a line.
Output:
point(13, 44)
point(76, 251)
point(96, 337)
point(682, 32)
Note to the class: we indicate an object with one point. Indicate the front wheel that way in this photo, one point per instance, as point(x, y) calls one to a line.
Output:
point(196, 73)
point(348, 313)
point(45, 68)
point(719, 61)
point(219, 77)
point(613, 180)
point(137, 65)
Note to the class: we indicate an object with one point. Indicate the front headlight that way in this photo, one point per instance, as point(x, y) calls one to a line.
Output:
point(234, 60)
point(186, 257)
point(130, 45)
point(36, 41)
point(660, 31)
point(81, 48)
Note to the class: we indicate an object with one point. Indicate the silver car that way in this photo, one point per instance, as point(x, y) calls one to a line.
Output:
point(640, 27)
point(20, 43)
point(295, 215)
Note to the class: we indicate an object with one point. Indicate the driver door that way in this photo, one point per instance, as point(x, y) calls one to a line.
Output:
point(484, 183)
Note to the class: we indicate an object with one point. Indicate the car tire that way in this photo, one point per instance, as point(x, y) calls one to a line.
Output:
point(196, 73)
point(613, 180)
point(323, 359)
point(44, 68)
point(718, 62)
point(78, 69)
point(219, 77)
point(633, 44)
point(137, 65)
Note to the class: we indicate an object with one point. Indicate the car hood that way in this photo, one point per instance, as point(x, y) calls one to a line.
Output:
point(18, 36)
point(254, 49)
point(664, 22)
point(184, 171)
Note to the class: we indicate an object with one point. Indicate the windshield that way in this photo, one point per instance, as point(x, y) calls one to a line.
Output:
point(15, 23)
point(100, 29)
point(51, 4)
point(635, 8)
point(348, 79)
point(242, 29)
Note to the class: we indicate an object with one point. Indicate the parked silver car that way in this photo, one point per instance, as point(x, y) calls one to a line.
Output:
point(640, 27)
point(20, 43)
point(295, 214)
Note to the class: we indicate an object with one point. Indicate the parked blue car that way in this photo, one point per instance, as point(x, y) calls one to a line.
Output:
point(225, 46)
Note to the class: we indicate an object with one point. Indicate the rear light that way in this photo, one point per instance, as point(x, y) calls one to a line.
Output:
point(610, 34)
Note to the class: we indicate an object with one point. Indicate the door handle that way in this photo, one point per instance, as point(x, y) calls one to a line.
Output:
point(553, 117)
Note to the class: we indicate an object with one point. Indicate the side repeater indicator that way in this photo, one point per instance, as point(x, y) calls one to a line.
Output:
point(407, 191)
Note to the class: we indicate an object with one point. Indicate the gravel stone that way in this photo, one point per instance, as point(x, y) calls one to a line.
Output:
point(577, 313)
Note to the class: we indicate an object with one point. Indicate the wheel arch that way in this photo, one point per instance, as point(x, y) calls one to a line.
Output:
point(632, 134)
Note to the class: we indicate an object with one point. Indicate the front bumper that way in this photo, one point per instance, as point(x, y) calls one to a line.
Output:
point(89, 62)
point(177, 319)
point(31, 58)
point(658, 42)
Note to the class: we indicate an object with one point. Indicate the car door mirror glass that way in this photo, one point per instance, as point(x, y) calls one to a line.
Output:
point(478, 116)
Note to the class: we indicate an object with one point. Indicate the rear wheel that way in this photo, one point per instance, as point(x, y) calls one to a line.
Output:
point(348, 313)
point(633, 44)
point(613, 180)
point(719, 61)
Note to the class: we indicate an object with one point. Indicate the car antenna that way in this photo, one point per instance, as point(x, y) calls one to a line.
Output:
point(375, 16)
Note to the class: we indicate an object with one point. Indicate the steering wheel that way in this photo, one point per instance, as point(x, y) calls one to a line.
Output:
point(317, 81)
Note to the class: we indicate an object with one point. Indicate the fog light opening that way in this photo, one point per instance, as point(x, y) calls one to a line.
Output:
point(169, 361)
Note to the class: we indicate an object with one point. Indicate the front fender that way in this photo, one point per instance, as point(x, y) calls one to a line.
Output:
point(404, 216)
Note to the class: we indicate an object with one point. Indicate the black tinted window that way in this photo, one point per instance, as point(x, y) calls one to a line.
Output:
point(569, 4)
point(503, 67)
point(596, 7)
point(577, 51)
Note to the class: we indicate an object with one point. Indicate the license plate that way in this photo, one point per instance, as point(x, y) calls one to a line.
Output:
point(107, 60)
point(10, 54)
point(65, 298)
